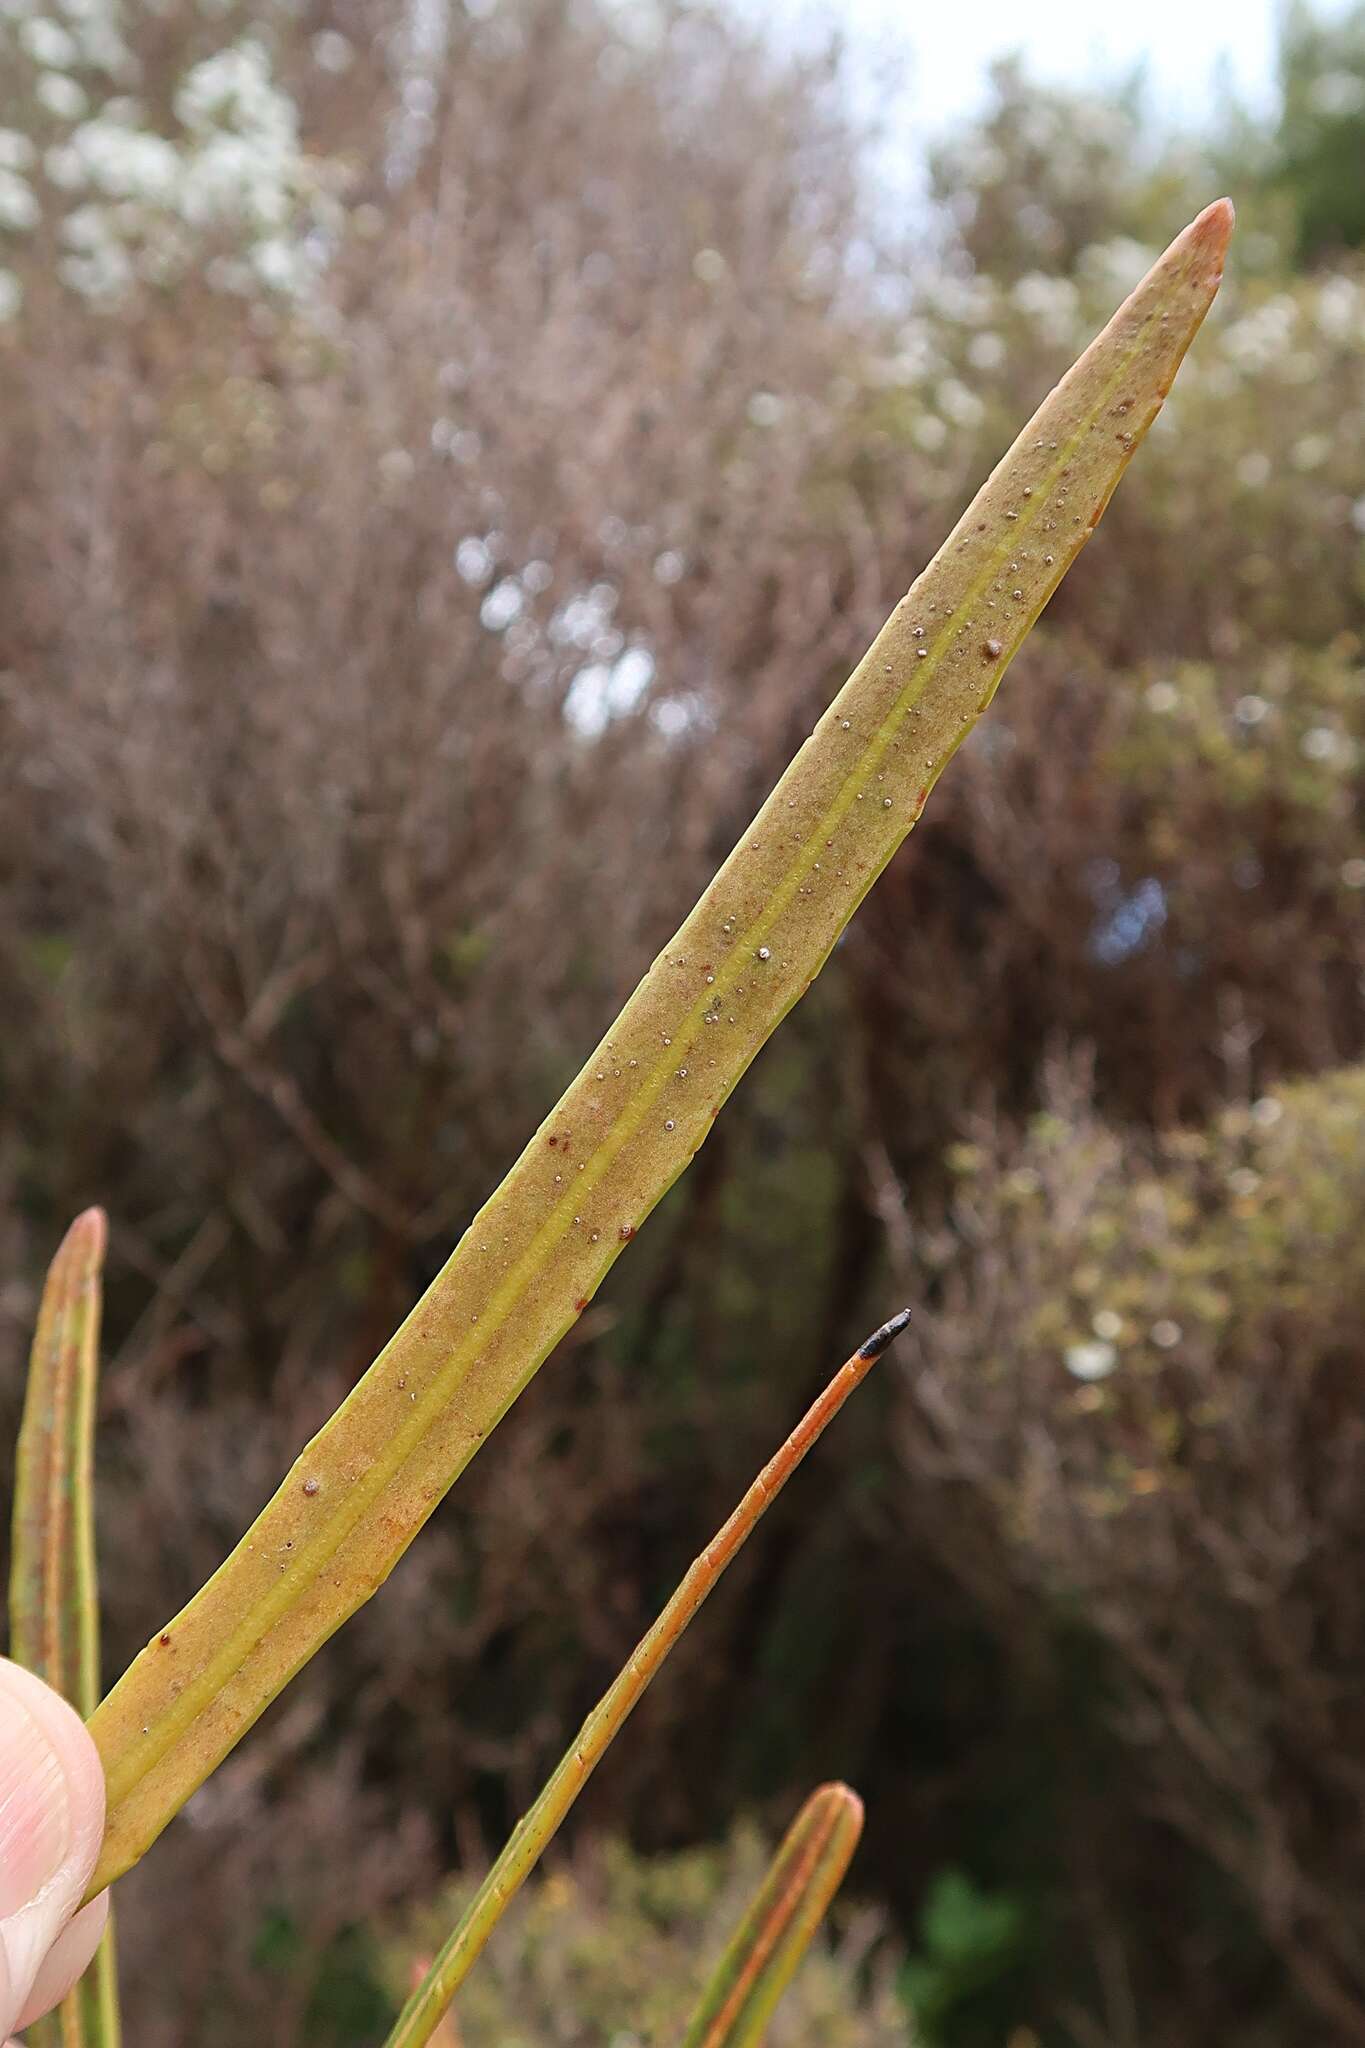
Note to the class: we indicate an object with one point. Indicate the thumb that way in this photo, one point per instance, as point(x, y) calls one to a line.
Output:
point(51, 1820)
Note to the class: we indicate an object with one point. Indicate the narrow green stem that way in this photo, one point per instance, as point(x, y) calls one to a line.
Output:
point(538, 1826)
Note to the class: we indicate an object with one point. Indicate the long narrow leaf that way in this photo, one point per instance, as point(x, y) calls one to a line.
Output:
point(423, 2011)
point(627, 1127)
point(54, 1601)
point(780, 1924)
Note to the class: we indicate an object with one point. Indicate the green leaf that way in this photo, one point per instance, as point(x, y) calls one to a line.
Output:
point(53, 1599)
point(627, 1127)
point(779, 1926)
point(423, 2012)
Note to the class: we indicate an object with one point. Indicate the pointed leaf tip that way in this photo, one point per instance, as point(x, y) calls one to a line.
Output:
point(91, 1231)
point(1216, 223)
point(1204, 243)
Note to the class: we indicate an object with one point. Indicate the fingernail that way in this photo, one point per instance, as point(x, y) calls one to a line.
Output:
point(35, 1807)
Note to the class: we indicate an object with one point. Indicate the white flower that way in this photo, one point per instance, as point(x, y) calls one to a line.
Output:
point(960, 405)
point(1339, 310)
point(103, 49)
point(1310, 451)
point(968, 301)
point(19, 208)
point(1052, 303)
point(65, 167)
point(474, 559)
point(1115, 266)
point(1324, 743)
point(101, 271)
point(86, 227)
point(60, 95)
point(17, 153)
point(602, 691)
point(282, 265)
point(47, 42)
point(232, 89)
point(1091, 1361)
point(504, 602)
point(123, 162)
point(1263, 336)
point(986, 351)
point(332, 52)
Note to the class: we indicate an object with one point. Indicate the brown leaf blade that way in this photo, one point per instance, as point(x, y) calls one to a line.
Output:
point(627, 1127)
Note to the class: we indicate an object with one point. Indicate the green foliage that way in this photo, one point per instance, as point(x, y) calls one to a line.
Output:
point(1320, 143)
point(957, 1981)
point(341, 1990)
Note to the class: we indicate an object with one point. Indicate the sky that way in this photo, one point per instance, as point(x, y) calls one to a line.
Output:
point(1182, 42)
point(945, 46)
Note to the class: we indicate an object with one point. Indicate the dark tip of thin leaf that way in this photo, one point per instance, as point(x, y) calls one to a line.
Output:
point(887, 1334)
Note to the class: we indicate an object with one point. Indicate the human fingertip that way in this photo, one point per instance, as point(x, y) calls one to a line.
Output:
point(68, 1958)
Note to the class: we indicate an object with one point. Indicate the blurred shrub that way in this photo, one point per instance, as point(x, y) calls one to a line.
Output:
point(611, 1951)
point(1318, 150)
point(1145, 1372)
